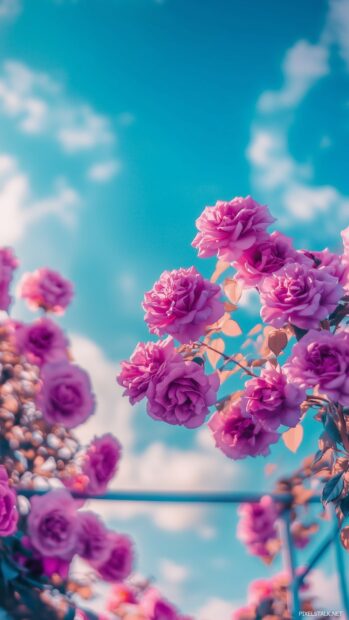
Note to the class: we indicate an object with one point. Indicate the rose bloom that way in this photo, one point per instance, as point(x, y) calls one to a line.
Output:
point(93, 544)
point(119, 562)
point(8, 263)
point(257, 526)
point(182, 303)
point(120, 594)
point(335, 264)
point(299, 295)
point(53, 524)
point(155, 607)
point(145, 363)
point(66, 396)
point(265, 258)
point(239, 435)
point(101, 462)
point(42, 341)
point(229, 228)
point(272, 400)
point(46, 289)
point(182, 394)
point(8, 506)
point(321, 359)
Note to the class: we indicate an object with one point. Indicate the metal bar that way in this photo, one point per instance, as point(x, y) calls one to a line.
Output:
point(290, 563)
point(318, 553)
point(175, 497)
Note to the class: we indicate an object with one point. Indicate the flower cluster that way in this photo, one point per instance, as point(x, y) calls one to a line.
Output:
point(142, 602)
point(257, 528)
point(43, 396)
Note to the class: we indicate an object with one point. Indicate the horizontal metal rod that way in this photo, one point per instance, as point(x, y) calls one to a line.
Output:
point(177, 497)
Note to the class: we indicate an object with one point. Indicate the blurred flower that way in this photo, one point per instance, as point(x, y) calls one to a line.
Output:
point(119, 562)
point(120, 594)
point(229, 228)
point(182, 303)
point(8, 508)
point(65, 396)
point(145, 363)
point(46, 289)
point(8, 263)
point(41, 341)
point(182, 393)
point(272, 400)
point(239, 435)
point(299, 295)
point(53, 524)
point(93, 543)
point(257, 528)
point(155, 607)
point(101, 462)
point(322, 359)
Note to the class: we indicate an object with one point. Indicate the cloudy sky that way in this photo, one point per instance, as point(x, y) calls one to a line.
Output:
point(119, 121)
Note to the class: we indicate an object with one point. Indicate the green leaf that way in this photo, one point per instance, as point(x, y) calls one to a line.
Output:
point(9, 570)
point(332, 489)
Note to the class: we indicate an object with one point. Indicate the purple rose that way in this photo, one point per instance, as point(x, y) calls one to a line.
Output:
point(119, 562)
point(65, 396)
point(46, 289)
point(257, 526)
point(182, 303)
point(229, 228)
point(322, 359)
point(300, 295)
point(155, 607)
point(8, 263)
point(41, 342)
point(53, 524)
point(272, 400)
point(239, 435)
point(145, 363)
point(181, 394)
point(267, 257)
point(93, 543)
point(101, 462)
point(8, 506)
point(335, 264)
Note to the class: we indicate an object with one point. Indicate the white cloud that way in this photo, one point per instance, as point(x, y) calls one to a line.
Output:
point(41, 105)
point(214, 609)
point(158, 467)
point(304, 64)
point(325, 588)
point(173, 573)
point(104, 171)
point(19, 208)
point(9, 9)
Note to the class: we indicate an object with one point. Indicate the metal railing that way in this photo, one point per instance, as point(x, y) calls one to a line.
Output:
point(296, 575)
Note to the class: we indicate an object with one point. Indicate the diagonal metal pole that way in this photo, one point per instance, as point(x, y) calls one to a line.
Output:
point(290, 562)
point(343, 588)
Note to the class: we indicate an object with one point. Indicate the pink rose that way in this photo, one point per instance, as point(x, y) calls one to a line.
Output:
point(121, 594)
point(55, 566)
point(66, 396)
point(239, 435)
point(265, 258)
point(257, 526)
point(336, 265)
point(322, 359)
point(182, 303)
point(8, 263)
point(93, 543)
point(299, 295)
point(8, 506)
point(272, 400)
point(53, 524)
point(101, 462)
point(145, 363)
point(119, 562)
point(46, 289)
point(41, 342)
point(182, 394)
point(155, 607)
point(229, 228)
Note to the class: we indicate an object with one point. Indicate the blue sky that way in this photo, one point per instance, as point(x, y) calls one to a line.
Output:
point(119, 121)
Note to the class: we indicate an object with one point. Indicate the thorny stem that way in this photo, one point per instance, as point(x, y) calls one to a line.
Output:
point(228, 359)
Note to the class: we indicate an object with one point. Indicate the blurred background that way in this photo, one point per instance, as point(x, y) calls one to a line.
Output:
point(119, 121)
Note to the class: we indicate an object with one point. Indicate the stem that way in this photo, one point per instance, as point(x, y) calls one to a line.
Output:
point(228, 359)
